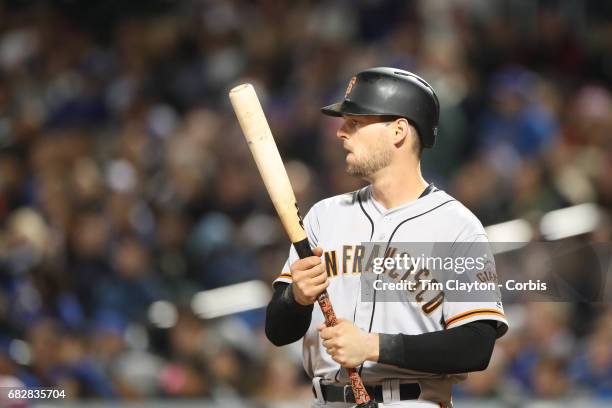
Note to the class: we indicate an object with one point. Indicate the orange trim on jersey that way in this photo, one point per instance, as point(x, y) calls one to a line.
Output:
point(477, 314)
point(285, 275)
point(471, 313)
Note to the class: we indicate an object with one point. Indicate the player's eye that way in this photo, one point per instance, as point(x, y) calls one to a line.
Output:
point(351, 123)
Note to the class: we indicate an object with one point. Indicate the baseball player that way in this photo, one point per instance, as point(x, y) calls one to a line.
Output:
point(408, 353)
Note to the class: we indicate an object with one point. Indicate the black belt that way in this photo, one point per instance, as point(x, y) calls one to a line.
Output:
point(344, 393)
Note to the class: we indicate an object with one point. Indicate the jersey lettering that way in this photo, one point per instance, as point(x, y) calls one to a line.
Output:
point(331, 263)
point(357, 261)
point(346, 257)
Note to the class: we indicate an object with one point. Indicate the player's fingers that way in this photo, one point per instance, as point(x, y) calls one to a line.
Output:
point(325, 285)
point(318, 279)
point(321, 327)
point(315, 271)
point(318, 289)
point(327, 333)
point(299, 275)
point(299, 270)
point(332, 342)
point(338, 359)
point(317, 251)
point(342, 321)
point(309, 262)
point(343, 325)
point(330, 346)
point(310, 290)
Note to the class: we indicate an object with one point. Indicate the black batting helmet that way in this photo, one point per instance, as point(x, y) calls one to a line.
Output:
point(394, 92)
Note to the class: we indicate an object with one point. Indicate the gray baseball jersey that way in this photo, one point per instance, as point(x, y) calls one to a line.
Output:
point(340, 225)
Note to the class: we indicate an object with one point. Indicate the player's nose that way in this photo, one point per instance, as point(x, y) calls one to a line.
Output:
point(342, 132)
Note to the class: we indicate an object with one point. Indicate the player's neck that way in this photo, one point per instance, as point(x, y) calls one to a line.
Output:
point(394, 186)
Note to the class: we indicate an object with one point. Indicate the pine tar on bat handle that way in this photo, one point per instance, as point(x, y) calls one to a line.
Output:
point(361, 395)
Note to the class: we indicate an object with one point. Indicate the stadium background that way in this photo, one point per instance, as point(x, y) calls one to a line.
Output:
point(127, 191)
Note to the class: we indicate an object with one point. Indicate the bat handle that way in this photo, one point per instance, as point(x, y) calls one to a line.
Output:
point(361, 395)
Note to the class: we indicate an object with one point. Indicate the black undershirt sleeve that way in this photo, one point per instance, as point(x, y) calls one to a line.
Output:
point(286, 320)
point(461, 349)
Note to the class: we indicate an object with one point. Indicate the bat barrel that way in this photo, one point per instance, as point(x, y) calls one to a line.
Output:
point(269, 163)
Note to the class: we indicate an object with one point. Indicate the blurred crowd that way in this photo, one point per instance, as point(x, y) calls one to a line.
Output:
point(125, 180)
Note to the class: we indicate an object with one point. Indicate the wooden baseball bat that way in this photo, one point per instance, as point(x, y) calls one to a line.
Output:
point(265, 152)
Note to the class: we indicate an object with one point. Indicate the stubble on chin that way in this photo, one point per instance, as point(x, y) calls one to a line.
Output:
point(367, 166)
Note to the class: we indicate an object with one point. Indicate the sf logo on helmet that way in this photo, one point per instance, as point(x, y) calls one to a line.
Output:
point(349, 88)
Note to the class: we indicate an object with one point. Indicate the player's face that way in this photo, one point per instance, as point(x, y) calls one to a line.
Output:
point(368, 144)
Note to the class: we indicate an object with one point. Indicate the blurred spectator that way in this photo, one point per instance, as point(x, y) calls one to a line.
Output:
point(592, 367)
point(546, 343)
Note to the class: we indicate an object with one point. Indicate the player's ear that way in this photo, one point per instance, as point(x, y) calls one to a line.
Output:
point(401, 130)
